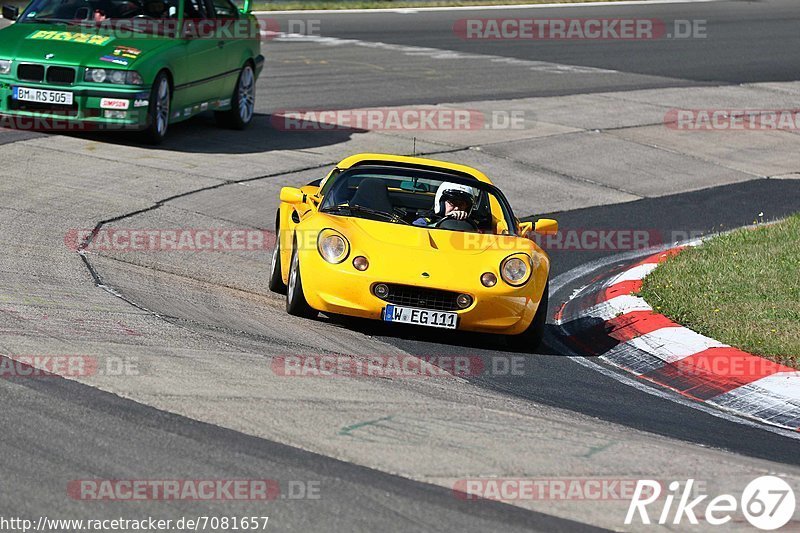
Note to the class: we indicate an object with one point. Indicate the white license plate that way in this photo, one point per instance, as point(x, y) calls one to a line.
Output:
point(42, 96)
point(420, 317)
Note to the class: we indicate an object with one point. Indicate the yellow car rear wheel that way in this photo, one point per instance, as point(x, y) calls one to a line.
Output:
point(276, 283)
point(296, 303)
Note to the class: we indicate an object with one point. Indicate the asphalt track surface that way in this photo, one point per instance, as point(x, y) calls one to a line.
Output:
point(57, 429)
point(745, 42)
point(97, 428)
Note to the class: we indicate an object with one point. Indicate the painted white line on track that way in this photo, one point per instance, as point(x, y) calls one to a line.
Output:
point(674, 343)
point(634, 274)
point(619, 305)
point(782, 384)
point(414, 10)
point(771, 398)
point(719, 411)
point(557, 283)
point(439, 53)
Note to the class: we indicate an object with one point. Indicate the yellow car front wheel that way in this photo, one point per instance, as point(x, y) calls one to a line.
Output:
point(529, 340)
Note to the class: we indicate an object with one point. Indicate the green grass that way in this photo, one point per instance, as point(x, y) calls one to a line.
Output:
point(741, 289)
point(397, 4)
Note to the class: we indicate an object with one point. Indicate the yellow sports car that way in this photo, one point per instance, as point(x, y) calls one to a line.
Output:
point(414, 241)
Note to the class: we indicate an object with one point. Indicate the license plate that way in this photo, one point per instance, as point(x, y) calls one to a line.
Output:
point(42, 96)
point(420, 317)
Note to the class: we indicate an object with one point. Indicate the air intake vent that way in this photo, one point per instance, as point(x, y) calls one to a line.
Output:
point(30, 72)
point(61, 75)
point(435, 299)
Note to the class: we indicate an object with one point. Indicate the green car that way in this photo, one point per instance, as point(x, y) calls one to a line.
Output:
point(129, 64)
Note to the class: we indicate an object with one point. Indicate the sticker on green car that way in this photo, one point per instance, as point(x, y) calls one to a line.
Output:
point(71, 37)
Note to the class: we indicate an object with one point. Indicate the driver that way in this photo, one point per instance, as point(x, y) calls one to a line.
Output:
point(453, 200)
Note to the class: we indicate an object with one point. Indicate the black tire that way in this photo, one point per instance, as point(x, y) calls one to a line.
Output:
point(158, 112)
point(276, 283)
point(296, 303)
point(243, 102)
point(529, 340)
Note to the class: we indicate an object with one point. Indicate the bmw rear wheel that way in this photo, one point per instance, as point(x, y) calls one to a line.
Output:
point(296, 303)
point(243, 101)
point(158, 112)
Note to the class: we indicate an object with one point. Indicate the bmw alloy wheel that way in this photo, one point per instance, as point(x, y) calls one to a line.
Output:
point(247, 94)
point(162, 107)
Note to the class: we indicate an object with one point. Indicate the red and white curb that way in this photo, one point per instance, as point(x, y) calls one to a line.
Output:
point(607, 320)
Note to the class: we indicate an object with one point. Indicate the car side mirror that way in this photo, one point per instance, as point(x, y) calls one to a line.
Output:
point(546, 226)
point(10, 12)
point(243, 6)
point(187, 31)
point(292, 195)
point(525, 228)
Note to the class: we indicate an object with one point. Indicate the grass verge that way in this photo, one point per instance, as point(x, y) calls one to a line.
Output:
point(398, 4)
point(741, 289)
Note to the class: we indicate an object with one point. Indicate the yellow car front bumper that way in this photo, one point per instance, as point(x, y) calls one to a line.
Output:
point(341, 289)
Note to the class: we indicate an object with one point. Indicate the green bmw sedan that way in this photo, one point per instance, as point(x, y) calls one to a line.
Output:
point(129, 64)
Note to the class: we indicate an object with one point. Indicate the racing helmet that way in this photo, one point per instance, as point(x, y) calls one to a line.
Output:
point(454, 191)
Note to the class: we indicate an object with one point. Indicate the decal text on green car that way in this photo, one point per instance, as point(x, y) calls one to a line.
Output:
point(66, 36)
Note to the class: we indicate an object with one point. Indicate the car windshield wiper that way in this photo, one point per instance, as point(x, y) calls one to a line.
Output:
point(54, 21)
point(41, 21)
point(349, 209)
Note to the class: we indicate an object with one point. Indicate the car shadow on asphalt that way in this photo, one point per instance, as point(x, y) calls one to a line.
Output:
point(464, 340)
point(201, 135)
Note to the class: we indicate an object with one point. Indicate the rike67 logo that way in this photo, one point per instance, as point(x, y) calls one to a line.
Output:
point(768, 503)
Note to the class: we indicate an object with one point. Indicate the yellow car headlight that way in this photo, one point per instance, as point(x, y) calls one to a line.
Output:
point(515, 269)
point(333, 246)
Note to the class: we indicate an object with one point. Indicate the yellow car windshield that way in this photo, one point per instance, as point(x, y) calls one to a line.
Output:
point(420, 198)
